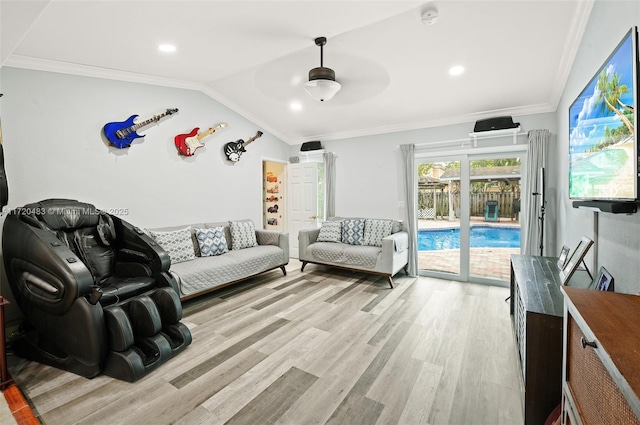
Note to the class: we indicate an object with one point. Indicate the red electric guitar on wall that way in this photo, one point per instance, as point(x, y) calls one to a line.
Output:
point(188, 143)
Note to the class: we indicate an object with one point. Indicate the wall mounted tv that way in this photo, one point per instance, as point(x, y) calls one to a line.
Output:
point(603, 137)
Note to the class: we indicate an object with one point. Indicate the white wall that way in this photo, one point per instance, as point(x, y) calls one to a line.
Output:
point(618, 241)
point(54, 148)
point(369, 169)
point(53, 145)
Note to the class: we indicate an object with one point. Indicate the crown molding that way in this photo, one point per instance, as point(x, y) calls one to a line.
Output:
point(577, 27)
point(541, 108)
point(26, 62)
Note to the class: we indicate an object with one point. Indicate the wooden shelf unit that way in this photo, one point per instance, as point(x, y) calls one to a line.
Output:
point(537, 309)
point(600, 376)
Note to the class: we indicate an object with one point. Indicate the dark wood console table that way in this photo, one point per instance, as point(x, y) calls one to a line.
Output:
point(537, 309)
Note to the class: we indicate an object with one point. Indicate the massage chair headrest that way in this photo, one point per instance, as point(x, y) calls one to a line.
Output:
point(63, 214)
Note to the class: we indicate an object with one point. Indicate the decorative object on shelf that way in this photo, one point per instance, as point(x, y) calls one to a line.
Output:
point(496, 123)
point(322, 83)
point(188, 143)
point(122, 134)
point(311, 146)
point(234, 150)
point(575, 259)
point(271, 178)
point(562, 258)
point(604, 281)
point(273, 209)
point(274, 189)
point(272, 221)
point(272, 198)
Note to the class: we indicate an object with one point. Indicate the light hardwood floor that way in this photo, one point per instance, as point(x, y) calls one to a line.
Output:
point(320, 347)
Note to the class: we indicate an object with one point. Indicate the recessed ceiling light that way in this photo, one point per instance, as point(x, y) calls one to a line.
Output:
point(296, 106)
point(167, 48)
point(456, 70)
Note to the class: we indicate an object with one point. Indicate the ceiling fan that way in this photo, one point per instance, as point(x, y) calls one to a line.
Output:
point(322, 84)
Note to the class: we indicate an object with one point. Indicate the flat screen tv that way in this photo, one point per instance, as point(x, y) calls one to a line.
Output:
point(603, 149)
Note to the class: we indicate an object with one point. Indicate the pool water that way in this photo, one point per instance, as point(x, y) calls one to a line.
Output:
point(481, 237)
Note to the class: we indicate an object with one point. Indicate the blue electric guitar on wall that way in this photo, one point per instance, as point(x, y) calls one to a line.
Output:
point(122, 134)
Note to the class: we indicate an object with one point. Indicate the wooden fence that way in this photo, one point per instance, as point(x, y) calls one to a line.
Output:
point(508, 203)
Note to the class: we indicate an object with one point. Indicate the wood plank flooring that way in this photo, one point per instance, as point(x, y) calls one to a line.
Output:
point(321, 347)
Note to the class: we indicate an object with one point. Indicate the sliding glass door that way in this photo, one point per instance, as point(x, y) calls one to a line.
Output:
point(469, 216)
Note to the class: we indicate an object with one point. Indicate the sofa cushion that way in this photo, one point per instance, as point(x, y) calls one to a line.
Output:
point(177, 243)
point(375, 230)
point(353, 231)
point(345, 254)
point(331, 231)
point(211, 241)
point(243, 234)
point(209, 272)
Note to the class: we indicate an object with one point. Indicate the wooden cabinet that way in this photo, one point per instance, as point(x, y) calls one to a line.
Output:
point(537, 311)
point(601, 362)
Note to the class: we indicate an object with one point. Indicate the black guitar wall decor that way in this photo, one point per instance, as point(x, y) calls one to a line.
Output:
point(234, 150)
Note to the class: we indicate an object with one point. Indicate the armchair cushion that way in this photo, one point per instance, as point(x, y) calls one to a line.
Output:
point(353, 231)
point(331, 231)
point(177, 243)
point(211, 241)
point(375, 230)
point(243, 234)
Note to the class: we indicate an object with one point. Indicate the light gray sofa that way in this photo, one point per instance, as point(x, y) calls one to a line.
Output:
point(203, 274)
point(386, 260)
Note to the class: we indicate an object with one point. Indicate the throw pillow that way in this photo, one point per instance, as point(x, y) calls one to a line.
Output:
point(353, 231)
point(331, 231)
point(243, 234)
point(177, 243)
point(375, 230)
point(212, 241)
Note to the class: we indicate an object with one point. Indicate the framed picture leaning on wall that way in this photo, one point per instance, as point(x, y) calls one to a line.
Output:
point(575, 259)
point(604, 281)
point(562, 258)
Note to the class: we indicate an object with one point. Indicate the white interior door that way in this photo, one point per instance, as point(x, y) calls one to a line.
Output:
point(302, 181)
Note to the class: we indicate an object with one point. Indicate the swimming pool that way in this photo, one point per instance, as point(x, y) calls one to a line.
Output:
point(481, 237)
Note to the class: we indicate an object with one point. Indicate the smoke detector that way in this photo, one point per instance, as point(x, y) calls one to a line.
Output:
point(430, 16)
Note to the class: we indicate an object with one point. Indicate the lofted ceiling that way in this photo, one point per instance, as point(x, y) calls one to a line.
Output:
point(254, 56)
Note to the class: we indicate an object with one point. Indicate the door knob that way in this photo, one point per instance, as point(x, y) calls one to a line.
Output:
point(314, 217)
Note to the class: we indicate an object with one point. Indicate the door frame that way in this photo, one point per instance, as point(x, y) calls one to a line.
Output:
point(465, 156)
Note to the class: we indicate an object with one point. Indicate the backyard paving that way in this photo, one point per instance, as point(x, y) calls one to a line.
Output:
point(491, 263)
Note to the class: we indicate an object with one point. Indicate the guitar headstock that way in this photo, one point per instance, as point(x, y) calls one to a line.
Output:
point(172, 111)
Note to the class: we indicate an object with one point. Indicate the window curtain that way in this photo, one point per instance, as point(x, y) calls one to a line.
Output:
point(330, 184)
point(411, 204)
point(530, 212)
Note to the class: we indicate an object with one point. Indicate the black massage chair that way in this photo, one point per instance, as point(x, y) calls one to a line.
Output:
point(95, 291)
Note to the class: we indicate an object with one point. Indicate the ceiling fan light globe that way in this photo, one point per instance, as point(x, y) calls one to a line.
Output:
point(322, 90)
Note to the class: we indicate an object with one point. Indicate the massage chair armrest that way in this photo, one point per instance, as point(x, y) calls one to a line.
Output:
point(132, 269)
point(41, 267)
point(135, 245)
